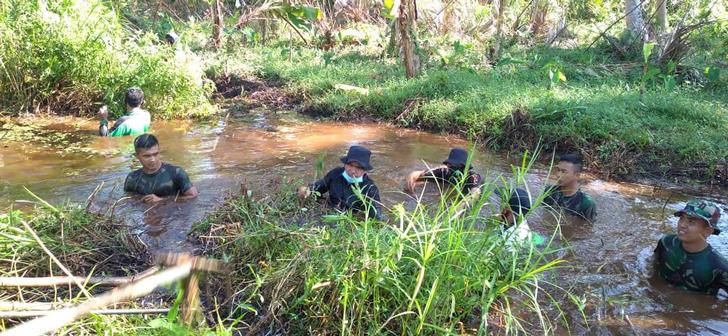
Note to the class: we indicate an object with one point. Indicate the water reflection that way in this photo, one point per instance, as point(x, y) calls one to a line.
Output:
point(611, 257)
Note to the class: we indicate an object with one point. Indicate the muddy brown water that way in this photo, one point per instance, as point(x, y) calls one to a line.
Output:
point(610, 258)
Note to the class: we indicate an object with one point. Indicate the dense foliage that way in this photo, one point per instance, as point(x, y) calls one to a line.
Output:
point(72, 56)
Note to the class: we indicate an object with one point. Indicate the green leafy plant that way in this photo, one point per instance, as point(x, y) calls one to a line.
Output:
point(554, 72)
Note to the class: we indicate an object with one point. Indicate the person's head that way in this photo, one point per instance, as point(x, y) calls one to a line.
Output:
point(171, 38)
point(568, 170)
point(457, 159)
point(146, 147)
point(134, 97)
point(698, 220)
point(356, 161)
point(518, 204)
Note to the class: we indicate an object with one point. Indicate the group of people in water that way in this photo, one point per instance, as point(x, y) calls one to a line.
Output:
point(684, 259)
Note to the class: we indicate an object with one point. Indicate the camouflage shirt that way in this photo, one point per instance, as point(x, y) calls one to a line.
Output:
point(578, 204)
point(705, 271)
point(167, 181)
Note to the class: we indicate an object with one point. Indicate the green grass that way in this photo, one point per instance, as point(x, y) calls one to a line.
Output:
point(597, 111)
point(69, 57)
point(426, 271)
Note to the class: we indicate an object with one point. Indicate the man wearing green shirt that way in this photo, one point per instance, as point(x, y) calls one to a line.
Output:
point(157, 180)
point(567, 194)
point(687, 260)
point(136, 121)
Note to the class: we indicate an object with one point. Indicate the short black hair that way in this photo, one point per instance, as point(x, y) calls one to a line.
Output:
point(145, 141)
point(134, 96)
point(572, 158)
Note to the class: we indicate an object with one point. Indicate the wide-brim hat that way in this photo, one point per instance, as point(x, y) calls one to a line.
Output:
point(360, 155)
point(704, 210)
point(457, 157)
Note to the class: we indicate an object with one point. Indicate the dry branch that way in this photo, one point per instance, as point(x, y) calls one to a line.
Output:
point(35, 313)
point(57, 319)
point(55, 260)
point(63, 281)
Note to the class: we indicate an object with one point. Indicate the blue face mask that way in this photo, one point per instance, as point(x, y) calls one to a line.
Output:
point(350, 179)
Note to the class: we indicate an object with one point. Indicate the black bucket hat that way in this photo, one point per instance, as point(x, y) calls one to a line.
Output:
point(359, 155)
point(518, 199)
point(457, 157)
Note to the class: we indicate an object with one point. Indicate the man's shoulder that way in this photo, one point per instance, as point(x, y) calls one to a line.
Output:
point(171, 169)
point(369, 181)
point(552, 189)
point(718, 260)
point(135, 174)
point(669, 241)
point(586, 200)
point(140, 112)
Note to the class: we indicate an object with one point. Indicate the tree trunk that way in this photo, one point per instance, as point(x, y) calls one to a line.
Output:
point(407, 26)
point(448, 18)
point(635, 20)
point(217, 18)
point(539, 10)
point(500, 7)
point(662, 23)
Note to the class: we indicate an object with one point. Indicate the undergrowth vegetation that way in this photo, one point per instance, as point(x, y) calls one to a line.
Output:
point(85, 244)
point(427, 270)
point(69, 57)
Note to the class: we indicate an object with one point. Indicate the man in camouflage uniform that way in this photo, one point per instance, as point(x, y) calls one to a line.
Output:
point(687, 260)
point(157, 180)
point(567, 194)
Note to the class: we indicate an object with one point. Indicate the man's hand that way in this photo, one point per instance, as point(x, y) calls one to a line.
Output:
point(303, 192)
point(151, 198)
point(103, 113)
point(411, 181)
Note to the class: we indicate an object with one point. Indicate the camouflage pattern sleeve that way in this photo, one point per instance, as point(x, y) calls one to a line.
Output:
point(721, 268)
point(659, 252)
point(589, 209)
point(182, 180)
point(129, 183)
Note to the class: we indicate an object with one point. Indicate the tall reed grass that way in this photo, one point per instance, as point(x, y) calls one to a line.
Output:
point(428, 270)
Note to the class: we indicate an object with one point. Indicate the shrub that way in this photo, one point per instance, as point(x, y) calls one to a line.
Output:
point(63, 57)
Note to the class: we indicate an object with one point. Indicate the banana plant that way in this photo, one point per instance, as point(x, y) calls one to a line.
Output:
point(299, 17)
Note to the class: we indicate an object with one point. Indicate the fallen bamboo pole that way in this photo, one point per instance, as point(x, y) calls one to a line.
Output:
point(6, 306)
point(65, 280)
point(36, 313)
point(57, 319)
point(15, 305)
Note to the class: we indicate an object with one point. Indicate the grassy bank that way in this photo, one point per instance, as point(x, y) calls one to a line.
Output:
point(426, 271)
point(596, 110)
point(85, 243)
point(70, 57)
